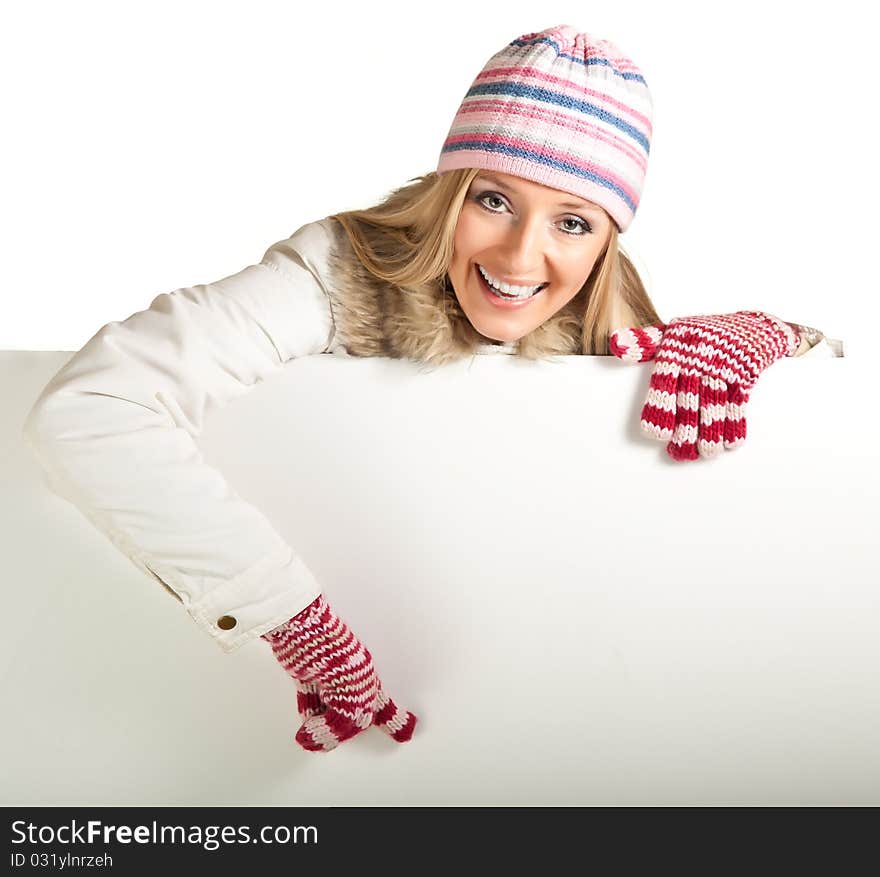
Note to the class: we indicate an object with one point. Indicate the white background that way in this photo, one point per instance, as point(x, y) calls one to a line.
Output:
point(151, 146)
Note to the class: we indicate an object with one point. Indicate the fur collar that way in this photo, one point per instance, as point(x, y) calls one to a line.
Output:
point(427, 324)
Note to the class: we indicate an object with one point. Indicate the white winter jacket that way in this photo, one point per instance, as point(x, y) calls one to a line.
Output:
point(113, 431)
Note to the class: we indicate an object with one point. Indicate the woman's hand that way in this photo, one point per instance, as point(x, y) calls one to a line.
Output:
point(338, 692)
point(704, 370)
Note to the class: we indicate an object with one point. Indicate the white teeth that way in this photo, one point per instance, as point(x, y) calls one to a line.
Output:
point(511, 291)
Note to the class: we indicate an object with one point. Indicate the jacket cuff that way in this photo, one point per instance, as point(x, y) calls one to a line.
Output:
point(809, 337)
point(260, 600)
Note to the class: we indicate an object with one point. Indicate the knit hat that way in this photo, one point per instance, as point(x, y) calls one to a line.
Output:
point(563, 109)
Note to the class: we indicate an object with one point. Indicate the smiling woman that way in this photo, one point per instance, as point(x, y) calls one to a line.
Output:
point(406, 279)
point(557, 121)
point(524, 242)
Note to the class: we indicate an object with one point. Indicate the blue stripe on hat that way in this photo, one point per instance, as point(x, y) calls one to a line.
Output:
point(554, 97)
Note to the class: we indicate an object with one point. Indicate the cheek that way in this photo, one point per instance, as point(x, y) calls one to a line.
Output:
point(581, 274)
point(470, 234)
point(571, 283)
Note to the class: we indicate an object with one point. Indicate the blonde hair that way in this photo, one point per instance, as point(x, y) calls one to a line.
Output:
point(407, 240)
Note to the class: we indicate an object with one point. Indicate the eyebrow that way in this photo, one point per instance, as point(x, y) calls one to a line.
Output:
point(583, 205)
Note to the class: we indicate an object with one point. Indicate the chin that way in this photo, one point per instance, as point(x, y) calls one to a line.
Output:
point(505, 338)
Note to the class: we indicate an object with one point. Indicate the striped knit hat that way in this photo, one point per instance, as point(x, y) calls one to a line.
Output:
point(563, 109)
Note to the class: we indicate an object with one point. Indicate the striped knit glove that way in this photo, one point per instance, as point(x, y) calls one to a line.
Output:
point(704, 370)
point(338, 692)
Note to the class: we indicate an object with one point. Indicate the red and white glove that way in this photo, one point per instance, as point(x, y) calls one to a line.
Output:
point(338, 692)
point(704, 370)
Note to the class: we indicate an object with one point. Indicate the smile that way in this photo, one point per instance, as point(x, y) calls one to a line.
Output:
point(509, 290)
point(501, 300)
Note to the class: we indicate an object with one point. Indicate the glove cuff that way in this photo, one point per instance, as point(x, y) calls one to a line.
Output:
point(790, 337)
point(316, 606)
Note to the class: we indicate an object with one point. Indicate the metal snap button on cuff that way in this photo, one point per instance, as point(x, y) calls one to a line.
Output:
point(226, 622)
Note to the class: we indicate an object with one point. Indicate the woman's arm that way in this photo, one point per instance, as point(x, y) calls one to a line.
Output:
point(114, 429)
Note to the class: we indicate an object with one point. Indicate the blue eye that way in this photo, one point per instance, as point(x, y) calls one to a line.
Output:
point(582, 223)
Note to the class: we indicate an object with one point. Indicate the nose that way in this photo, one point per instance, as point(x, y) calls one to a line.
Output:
point(523, 248)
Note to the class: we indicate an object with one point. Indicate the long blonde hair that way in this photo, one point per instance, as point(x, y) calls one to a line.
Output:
point(407, 240)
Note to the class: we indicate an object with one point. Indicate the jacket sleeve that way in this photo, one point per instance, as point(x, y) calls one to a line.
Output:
point(113, 432)
point(815, 343)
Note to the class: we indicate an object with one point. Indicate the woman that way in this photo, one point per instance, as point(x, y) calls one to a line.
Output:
point(510, 246)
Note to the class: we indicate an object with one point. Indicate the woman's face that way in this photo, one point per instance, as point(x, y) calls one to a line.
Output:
point(522, 233)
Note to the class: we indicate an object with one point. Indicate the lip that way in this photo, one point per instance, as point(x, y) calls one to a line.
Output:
point(508, 282)
point(503, 303)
